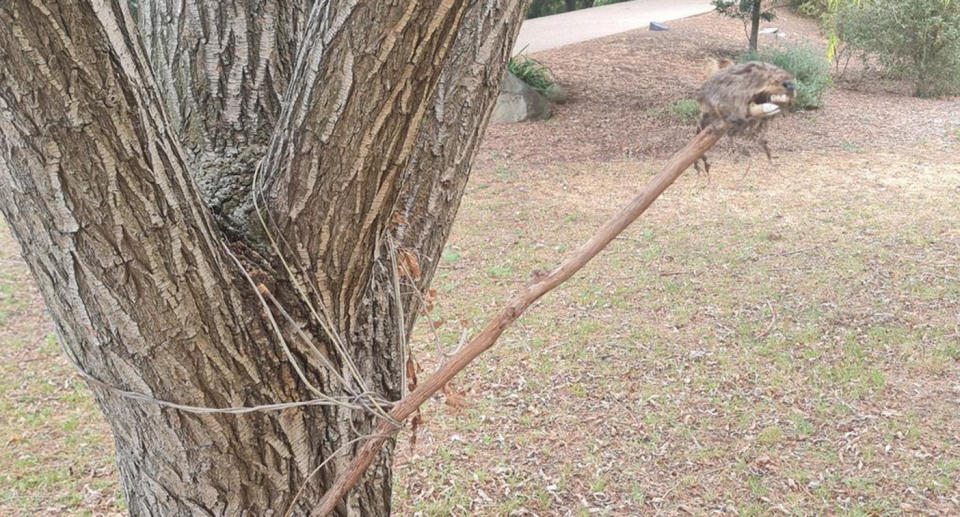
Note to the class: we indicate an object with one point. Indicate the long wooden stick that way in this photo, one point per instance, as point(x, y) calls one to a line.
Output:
point(678, 163)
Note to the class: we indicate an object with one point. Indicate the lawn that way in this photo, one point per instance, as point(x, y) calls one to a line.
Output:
point(781, 341)
point(772, 338)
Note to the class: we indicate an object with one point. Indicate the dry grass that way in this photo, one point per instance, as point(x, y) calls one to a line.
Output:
point(56, 452)
point(781, 341)
point(769, 339)
point(773, 339)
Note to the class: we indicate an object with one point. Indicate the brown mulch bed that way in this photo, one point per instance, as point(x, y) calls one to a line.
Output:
point(619, 87)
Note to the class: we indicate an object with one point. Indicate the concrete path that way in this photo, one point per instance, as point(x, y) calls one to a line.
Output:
point(562, 29)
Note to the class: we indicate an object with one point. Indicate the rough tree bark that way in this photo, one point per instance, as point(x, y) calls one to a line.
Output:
point(757, 9)
point(222, 68)
point(126, 174)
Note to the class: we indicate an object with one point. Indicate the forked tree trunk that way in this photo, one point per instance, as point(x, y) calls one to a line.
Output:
point(127, 169)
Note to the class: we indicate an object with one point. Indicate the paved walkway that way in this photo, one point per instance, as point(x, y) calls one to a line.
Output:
point(575, 26)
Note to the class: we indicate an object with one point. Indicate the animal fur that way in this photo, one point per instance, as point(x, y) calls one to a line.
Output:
point(744, 98)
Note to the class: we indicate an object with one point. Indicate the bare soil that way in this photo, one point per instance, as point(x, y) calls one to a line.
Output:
point(620, 85)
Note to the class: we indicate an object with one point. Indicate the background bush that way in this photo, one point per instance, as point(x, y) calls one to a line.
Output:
point(809, 67)
point(817, 8)
point(546, 7)
point(913, 39)
point(814, 8)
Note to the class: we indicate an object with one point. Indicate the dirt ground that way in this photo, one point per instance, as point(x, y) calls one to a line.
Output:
point(774, 338)
point(621, 84)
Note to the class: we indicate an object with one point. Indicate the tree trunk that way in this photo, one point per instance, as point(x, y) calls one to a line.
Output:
point(571, 5)
point(127, 173)
point(222, 68)
point(755, 23)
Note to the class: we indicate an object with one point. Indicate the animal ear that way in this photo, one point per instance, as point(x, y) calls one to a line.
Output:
point(714, 65)
point(710, 67)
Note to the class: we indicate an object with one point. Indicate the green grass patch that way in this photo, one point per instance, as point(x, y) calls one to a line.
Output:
point(685, 111)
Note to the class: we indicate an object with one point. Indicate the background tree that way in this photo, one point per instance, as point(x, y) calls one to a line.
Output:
point(918, 40)
point(230, 204)
point(750, 12)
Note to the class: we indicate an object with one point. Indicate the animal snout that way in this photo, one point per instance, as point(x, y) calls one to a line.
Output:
point(788, 85)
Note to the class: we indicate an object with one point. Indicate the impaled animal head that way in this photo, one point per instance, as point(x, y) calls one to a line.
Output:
point(745, 96)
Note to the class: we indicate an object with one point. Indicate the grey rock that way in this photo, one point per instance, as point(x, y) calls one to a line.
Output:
point(654, 26)
point(518, 102)
point(773, 32)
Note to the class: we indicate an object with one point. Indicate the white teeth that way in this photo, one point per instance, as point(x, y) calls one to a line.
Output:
point(764, 110)
point(780, 98)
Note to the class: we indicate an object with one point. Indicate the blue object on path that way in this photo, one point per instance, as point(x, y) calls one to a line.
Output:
point(654, 26)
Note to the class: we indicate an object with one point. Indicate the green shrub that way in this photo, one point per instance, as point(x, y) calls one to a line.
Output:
point(532, 72)
point(813, 8)
point(820, 8)
point(809, 7)
point(686, 111)
point(912, 39)
point(809, 67)
point(547, 7)
point(839, 51)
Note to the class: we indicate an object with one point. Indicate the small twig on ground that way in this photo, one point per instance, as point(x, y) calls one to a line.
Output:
point(773, 321)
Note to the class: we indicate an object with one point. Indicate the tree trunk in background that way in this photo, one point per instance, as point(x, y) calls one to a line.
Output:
point(127, 176)
point(755, 23)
